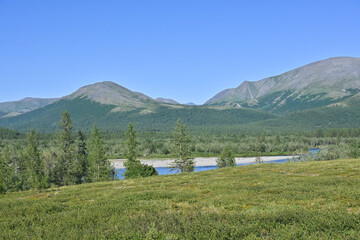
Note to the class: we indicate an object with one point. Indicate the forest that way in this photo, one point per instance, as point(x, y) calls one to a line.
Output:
point(42, 160)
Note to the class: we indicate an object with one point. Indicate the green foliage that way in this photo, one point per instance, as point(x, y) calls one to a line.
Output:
point(324, 118)
point(99, 167)
point(82, 162)
point(34, 163)
point(182, 148)
point(4, 173)
point(9, 177)
point(307, 200)
point(86, 113)
point(226, 159)
point(134, 168)
point(131, 143)
point(9, 134)
point(66, 152)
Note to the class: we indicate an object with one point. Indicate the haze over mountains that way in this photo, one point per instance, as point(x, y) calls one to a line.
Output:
point(328, 88)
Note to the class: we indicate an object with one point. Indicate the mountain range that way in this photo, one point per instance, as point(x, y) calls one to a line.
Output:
point(14, 108)
point(321, 83)
point(321, 94)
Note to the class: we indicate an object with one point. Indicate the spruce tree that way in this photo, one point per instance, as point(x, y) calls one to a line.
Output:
point(7, 171)
point(34, 162)
point(134, 168)
point(226, 159)
point(99, 167)
point(131, 144)
point(82, 164)
point(3, 177)
point(64, 169)
point(182, 148)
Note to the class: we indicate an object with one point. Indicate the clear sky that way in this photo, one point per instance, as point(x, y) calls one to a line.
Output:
point(187, 50)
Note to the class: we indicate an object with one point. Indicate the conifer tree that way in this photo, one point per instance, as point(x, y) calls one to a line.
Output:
point(3, 177)
point(81, 159)
point(65, 164)
point(132, 144)
point(226, 159)
point(182, 148)
point(134, 168)
point(99, 167)
point(34, 162)
point(7, 171)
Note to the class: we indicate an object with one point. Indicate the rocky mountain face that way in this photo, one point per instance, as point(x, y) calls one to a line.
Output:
point(14, 108)
point(317, 84)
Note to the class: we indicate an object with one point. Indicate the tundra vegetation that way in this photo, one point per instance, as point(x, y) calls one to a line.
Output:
point(294, 200)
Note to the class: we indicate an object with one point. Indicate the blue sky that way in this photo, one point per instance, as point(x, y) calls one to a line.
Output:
point(185, 50)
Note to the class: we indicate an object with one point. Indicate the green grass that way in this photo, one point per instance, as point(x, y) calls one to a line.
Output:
point(309, 200)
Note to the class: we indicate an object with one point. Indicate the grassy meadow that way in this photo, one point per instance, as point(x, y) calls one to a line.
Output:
point(304, 200)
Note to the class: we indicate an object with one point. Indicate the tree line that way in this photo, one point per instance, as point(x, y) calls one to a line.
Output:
point(72, 159)
point(44, 160)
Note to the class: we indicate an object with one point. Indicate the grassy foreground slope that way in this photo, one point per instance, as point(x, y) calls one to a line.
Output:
point(310, 200)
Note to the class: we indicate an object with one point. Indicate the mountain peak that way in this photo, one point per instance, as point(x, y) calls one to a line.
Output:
point(111, 93)
point(327, 80)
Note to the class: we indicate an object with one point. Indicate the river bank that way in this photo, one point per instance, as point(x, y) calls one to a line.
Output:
point(200, 161)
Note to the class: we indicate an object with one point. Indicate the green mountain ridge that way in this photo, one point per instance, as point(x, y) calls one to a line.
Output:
point(85, 113)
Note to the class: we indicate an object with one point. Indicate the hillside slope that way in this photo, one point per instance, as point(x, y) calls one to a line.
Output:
point(314, 85)
point(306, 200)
point(85, 113)
point(24, 105)
point(332, 116)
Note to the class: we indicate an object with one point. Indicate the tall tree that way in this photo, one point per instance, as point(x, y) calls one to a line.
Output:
point(3, 172)
point(182, 148)
point(35, 164)
point(82, 164)
point(66, 154)
point(134, 168)
point(99, 167)
point(132, 144)
point(226, 159)
point(7, 170)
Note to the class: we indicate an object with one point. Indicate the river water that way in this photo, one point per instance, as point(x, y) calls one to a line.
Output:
point(167, 171)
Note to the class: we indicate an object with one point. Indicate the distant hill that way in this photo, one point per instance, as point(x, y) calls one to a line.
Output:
point(13, 108)
point(314, 85)
point(167, 100)
point(111, 107)
point(110, 93)
point(190, 104)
